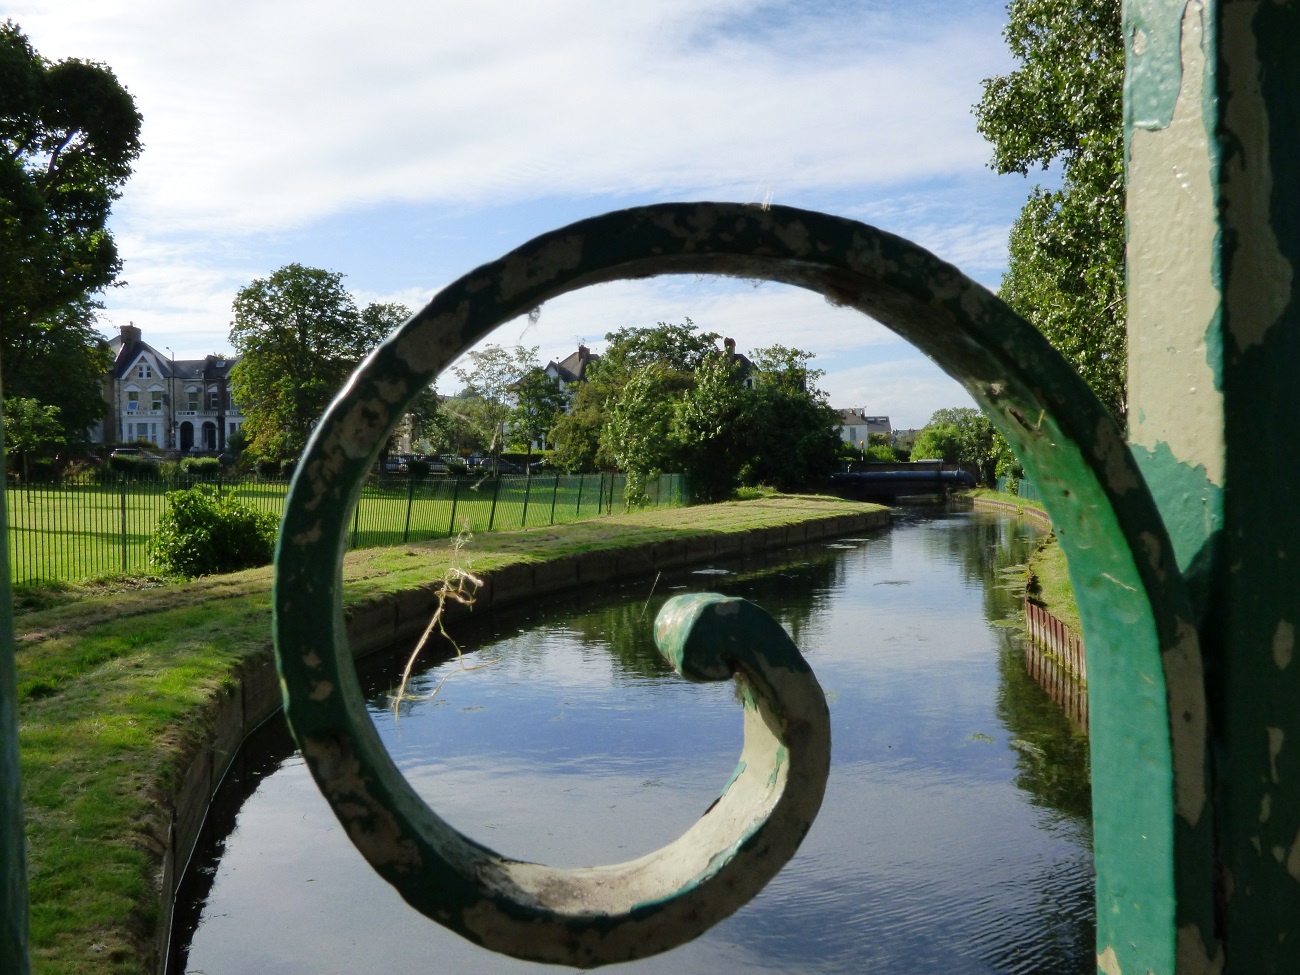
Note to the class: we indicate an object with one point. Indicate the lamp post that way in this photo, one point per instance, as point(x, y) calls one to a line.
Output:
point(171, 399)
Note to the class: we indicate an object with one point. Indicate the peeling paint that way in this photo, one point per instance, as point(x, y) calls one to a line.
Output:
point(1293, 861)
point(1185, 677)
point(1173, 291)
point(1265, 807)
point(1193, 956)
point(1257, 274)
point(1108, 962)
point(1283, 644)
point(1114, 454)
point(1275, 739)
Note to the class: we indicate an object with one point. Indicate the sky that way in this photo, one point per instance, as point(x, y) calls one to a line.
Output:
point(404, 142)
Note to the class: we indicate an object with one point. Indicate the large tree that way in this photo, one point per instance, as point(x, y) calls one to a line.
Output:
point(298, 334)
point(493, 373)
point(964, 435)
point(582, 442)
point(793, 434)
point(539, 403)
point(70, 133)
point(1063, 106)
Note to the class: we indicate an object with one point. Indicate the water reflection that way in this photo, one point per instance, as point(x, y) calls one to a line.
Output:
point(954, 836)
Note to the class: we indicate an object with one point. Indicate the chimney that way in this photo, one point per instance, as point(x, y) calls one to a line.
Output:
point(130, 335)
point(731, 347)
point(583, 352)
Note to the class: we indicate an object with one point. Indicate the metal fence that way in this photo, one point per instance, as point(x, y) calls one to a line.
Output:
point(80, 529)
point(1021, 488)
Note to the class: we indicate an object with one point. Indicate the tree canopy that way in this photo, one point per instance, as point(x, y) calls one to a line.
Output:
point(492, 376)
point(70, 133)
point(668, 399)
point(965, 435)
point(299, 335)
point(1063, 106)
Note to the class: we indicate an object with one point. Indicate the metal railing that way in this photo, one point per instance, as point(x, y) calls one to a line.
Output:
point(1021, 487)
point(82, 529)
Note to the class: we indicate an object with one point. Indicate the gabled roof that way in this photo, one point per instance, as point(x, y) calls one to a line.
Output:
point(573, 368)
point(128, 347)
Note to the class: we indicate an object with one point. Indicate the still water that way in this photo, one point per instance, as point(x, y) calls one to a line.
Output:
point(954, 836)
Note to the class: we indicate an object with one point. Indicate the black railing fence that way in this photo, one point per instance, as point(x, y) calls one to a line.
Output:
point(81, 529)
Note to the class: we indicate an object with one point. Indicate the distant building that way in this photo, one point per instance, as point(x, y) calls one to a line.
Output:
point(573, 368)
point(856, 427)
point(183, 404)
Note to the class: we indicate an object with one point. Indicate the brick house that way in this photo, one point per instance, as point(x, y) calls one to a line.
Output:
point(175, 404)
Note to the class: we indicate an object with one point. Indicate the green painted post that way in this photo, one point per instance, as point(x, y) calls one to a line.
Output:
point(577, 511)
point(455, 497)
point(528, 487)
point(555, 494)
point(1213, 157)
point(13, 850)
point(356, 523)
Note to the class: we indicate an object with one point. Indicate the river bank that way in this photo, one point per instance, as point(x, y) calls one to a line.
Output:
point(132, 703)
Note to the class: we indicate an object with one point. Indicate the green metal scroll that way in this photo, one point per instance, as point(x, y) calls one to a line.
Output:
point(1145, 671)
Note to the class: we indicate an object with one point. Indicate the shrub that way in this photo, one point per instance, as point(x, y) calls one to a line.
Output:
point(202, 534)
point(203, 468)
point(132, 468)
point(267, 467)
point(287, 467)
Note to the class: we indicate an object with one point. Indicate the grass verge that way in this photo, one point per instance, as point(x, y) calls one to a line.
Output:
point(1048, 577)
point(117, 691)
point(1048, 581)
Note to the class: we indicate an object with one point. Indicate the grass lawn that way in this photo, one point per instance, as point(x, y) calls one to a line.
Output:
point(84, 531)
point(117, 684)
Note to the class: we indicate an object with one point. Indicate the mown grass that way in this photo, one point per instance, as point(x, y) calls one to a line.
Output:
point(989, 494)
point(84, 531)
point(1048, 581)
point(118, 686)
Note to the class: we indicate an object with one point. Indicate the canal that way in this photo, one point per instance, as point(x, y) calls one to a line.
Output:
point(954, 837)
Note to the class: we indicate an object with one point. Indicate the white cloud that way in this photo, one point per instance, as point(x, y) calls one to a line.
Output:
point(260, 116)
point(907, 390)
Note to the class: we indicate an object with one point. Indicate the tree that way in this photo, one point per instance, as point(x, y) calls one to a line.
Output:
point(70, 133)
point(963, 435)
point(539, 403)
point(581, 440)
point(938, 441)
point(639, 431)
point(30, 428)
point(1064, 105)
point(792, 434)
point(299, 335)
point(492, 375)
point(709, 431)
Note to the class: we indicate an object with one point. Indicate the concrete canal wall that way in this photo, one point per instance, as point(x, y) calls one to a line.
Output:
point(254, 690)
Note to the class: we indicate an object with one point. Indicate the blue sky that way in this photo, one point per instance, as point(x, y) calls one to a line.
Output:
point(402, 143)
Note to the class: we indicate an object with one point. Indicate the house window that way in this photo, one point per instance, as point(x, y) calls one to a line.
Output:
point(155, 399)
point(214, 399)
point(132, 400)
point(192, 394)
point(144, 371)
